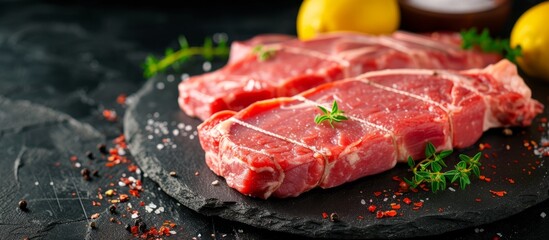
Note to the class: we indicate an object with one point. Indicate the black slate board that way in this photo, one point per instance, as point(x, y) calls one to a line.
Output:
point(154, 116)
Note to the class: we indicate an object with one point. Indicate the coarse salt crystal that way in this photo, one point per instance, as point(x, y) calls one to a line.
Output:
point(215, 183)
point(543, 215)
point(175, 132)
point(160, 146)
point(362, 201)
point(77, 165)
point(135, 215)
point(170, 78)
point(207, 66)
point(121, 184)
point(160, 85)
point(159, 210)
point(148, 209)
point(451, 189)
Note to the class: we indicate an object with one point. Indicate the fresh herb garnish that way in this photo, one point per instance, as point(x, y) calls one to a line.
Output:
point(262, 53)
point(429, 169)
point(335, 115)
point(173, 58)
point(486, 43)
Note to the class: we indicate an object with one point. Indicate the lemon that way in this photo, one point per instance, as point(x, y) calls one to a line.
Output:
point(532, 34)
point(367, 16)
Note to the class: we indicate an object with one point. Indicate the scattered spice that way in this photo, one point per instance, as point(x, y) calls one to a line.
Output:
point(215, 182)
point(121, 99)
point(109, 193)
point(372, 208)
point(102, 148)
point(128, 227)
point(407, 200)
point(22, 204)
point(395, 206)
point(324, 215)
point(334, 217)
point(93, 225)
point(90, 155)
point(95, 216)
point(498, 193)
point(112, 209)
point(124, 197)
point(173, 174)
point(110, 115)
point(112, 219)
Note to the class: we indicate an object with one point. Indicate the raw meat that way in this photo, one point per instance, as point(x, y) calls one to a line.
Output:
point(296, 66)
point(274, 148)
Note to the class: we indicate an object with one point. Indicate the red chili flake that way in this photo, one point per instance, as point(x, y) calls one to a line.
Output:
point(481, 177)
point(395, 206)
point(377, 194)
point(403, 185)
point(134, 192)
point(397, 178)
point(124, 197)
point(132, 168)
point(511, 181)
point(109, 115)
point(379, 214)
point(73, 158)
point(134, 229)
point(478, 200)
point(372, 208)
point(498, 193)
point(121, 99)
point(486, 156)
point(359, 217)
point(483, 146)
point(440, 210)
point(324, 215)
point(543, 120)
point(390, 213)
point(418, 204)
point(141, 203)
point(407, 200)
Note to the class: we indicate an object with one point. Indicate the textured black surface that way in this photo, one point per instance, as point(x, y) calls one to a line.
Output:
point(153, 106)
point(63, 62)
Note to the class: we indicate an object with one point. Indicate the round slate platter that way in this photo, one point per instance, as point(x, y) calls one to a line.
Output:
point(163, 139)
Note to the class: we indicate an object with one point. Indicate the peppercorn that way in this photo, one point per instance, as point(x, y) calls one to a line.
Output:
point(90, 155)
point(85, 172)
point(102, 148)
point(142, 227)
point(334, 217)
point(93, 225)
point(137, 221)
point(95, 173)
point(112, 209)
point(23, 205)
point(113, 220)
point(128, 227)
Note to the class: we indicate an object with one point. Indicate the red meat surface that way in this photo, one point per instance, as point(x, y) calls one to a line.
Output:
point(274, 147)
point(295, 66)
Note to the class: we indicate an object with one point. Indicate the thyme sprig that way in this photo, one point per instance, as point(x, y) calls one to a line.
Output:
point(335, 115)
point(262, 53)
point(173, 58)
point(429, 170)
point(470, 38)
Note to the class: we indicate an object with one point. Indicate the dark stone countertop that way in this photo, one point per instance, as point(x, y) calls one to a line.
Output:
point(63, 63)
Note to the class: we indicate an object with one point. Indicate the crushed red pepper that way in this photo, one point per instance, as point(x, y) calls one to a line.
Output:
point(498, 193)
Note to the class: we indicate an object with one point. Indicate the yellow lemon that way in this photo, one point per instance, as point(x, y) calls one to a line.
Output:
point(532, 34)
point(367, 16)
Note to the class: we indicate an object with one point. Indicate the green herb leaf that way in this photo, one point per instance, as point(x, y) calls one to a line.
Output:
point(470, 38)
point(173, 58)
point(335, 115)
point(430, 169)
point(262, 53)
